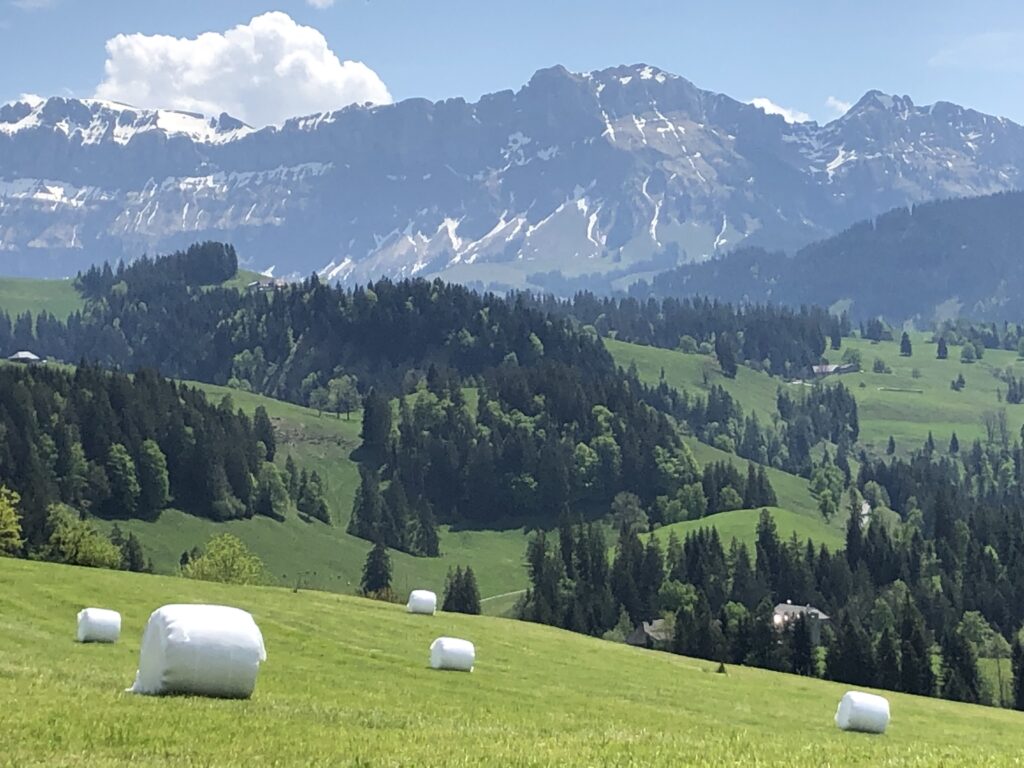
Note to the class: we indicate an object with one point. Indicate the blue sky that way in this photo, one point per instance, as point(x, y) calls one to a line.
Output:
point(798, 53)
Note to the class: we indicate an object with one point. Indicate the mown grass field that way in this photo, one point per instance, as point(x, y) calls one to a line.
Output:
point(741, 524)
point(346, 683)
point(889, 405)
point(58, 297)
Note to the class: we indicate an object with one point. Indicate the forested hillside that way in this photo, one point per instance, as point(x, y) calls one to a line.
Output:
point(124, 447)
point(930, 262)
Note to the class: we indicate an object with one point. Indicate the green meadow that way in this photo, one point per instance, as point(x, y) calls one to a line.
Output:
point(347, 683)
point(58, 297)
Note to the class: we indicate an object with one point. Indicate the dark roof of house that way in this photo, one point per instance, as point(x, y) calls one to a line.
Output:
point(656, 630)
point(789, 611)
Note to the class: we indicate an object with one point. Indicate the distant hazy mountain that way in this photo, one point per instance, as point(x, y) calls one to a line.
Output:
point(575, 179)
point(933, 262)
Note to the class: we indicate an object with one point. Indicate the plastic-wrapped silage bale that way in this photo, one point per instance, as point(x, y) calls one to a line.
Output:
point(865, 712)
point(452, 653)
point(98, 625)
point(207, 650)
point(422, 601)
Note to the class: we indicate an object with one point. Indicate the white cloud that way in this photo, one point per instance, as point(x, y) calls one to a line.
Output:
point(838, 107)
point(320, 3)
point(1001, 52)
point(262, 72)
point(789, 115)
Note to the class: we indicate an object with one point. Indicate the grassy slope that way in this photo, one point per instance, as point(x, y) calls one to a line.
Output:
point(887, 403)
point(321, 556)
point(798, 510)
point(58, 297)
point(347, 683)
point(909, 416)
point(741, 524)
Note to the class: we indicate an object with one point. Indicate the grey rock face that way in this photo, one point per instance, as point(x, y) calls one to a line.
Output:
point(595, 179)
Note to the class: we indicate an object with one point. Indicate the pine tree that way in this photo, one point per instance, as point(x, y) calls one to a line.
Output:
point(460, 593)
point(890, 448)
point(906, 349)
point(726, 352)
point(154, 482)
point(1018, 673)
point(426, 541)
point(954, 445)
point(376, 430)
point(292, 478)
point(887, 655)
point(124, 485)
point(367, 507)
point(263, 430)
point(943, 350)
point(916, 675)
point(802, 649)
point(376, 579)
point(960, 678)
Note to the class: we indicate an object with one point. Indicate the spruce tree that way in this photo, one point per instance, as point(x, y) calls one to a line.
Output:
point(377, 571)
point(960, 678)
point(426, 541)
point(367, 507)
point(887, 655)
point(943, 350)
point(154, 482)
point(954, 445)
point(801, 647)
point(1018, 673)
point(124, 485)
point(916, 675)
point(263, 430)
point(890, 447)
point(906, 349)
point(376, 430)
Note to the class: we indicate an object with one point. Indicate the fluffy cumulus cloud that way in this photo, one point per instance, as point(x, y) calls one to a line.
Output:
point(837, 107)
point(771, 108)
point(262, 72)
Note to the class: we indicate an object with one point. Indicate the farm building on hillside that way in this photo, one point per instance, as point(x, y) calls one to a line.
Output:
point(25, 357)
point(834, 369)
point(266, 283)
point(786, 613)
point(650, 634)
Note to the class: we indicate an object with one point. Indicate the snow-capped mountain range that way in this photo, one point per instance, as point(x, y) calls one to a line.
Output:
point(598, 178)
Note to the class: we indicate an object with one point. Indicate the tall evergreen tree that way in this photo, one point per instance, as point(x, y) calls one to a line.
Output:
point(124, 485)
point(802, 648)
point(960, 677)
point(916, 675)
point(887, 656)
point(376, 571)
point(154, 482)
point(906, 349)
point(943, 351)
point(264, 431)
point(1018, 673)
point(376, 430)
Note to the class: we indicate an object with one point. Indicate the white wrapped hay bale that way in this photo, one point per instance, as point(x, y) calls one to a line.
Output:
point(98, 625)
point(863, 712)
point(422, 601)
point(452, 653)
point(207, 650)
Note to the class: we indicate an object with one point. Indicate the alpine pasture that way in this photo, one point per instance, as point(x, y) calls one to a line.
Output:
point(347, 683)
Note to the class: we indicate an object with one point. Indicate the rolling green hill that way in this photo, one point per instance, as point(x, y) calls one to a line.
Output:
point(347, 683)
point(897, 403)
point(58, 297)
point(321, 556)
